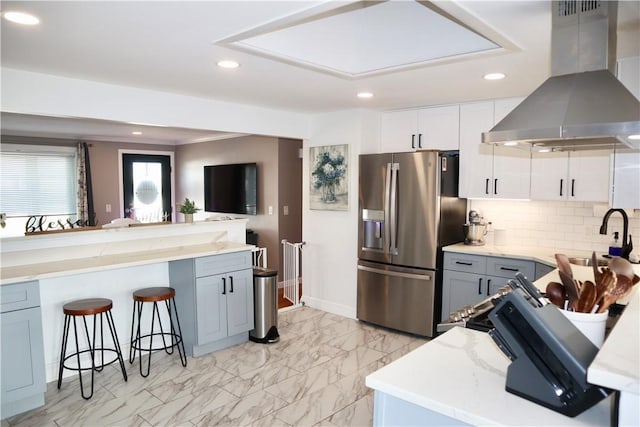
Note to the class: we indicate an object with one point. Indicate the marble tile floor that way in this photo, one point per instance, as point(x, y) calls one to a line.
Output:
point(315, 376)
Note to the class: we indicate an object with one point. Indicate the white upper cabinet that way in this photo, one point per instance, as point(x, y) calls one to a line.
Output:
point(423, 129)
point(488, 171)
point(440, 127)
point(625, 177)
point(574, 176)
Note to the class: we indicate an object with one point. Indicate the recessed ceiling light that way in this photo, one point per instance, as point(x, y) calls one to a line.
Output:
point(494, 76)
point(227, 63)
point(365, 95)
point(21, 18)
point(634, 137)
point(136, 132)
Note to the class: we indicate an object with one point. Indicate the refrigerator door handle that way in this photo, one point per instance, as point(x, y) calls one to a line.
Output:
point(394, 208)
point(395, 273)
point(387, 223)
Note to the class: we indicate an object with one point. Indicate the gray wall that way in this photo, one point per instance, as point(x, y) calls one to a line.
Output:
point(277, 180)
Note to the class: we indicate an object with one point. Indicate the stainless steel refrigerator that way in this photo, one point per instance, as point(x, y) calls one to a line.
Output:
point(408, 210)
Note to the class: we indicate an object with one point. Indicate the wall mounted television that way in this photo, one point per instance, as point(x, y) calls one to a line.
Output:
point(231, 188)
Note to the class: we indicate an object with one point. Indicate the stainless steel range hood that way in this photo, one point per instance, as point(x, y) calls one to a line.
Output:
point(583, 105)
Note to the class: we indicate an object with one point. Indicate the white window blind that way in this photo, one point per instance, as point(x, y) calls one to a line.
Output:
point(37, 180)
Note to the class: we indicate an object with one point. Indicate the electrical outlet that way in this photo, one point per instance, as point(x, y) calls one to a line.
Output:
point(285, 210)
point(107, 208)
point(270, 210)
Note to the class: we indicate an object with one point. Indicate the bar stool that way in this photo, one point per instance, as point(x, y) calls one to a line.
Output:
point(83, 308)
point(155, 295)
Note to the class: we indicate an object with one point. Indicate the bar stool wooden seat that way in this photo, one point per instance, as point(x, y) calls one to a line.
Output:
point(83, 308)
point(174, 335)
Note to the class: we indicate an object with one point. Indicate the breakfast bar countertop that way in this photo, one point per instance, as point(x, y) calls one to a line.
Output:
point(42, 270)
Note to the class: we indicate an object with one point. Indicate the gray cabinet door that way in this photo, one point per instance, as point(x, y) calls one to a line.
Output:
point(211, 309)
point(460, 289)
point(22, 356)
point(240, 302)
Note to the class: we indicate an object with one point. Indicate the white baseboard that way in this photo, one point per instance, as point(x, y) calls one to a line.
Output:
point(330, 307)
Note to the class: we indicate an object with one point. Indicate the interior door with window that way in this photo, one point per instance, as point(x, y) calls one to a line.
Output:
point(146, 183)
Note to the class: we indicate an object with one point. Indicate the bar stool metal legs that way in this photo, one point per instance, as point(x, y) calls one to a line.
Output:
point(155, 295)
point(98, 307)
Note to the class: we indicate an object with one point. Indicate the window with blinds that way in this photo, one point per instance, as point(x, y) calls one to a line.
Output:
point(37, 180)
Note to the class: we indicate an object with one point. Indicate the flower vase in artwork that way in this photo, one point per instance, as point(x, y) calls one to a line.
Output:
point(328, 172)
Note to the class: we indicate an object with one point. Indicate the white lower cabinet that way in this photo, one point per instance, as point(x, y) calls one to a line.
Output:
point(214, 298)
point(581, 176)
point(469, 279)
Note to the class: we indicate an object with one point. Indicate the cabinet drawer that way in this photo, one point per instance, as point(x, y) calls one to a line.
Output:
point(19, 296)
point(508, 267)
point(216, 264)
point(465, 262)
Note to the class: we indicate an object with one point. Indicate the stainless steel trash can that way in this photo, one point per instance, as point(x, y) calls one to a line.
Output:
point(265, 306)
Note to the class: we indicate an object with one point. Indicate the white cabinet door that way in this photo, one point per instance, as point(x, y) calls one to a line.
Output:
point(511, 166)
point(476, 159)
point(549, 172)
point(399, 131)
point(439, 127)
point(625, 170)
point(588, 179)
point(576, 176)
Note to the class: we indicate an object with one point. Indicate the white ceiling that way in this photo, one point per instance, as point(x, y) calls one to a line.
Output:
point(173, 46)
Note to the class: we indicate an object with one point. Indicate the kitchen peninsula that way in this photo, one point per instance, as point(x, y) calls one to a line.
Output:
point(54, 268)
point(459, 378)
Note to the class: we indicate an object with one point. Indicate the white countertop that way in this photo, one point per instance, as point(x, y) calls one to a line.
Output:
point(41, 270)
point(533, 253)
point(462, 374)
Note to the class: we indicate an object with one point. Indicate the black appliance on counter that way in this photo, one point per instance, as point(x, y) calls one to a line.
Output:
point(550, 356)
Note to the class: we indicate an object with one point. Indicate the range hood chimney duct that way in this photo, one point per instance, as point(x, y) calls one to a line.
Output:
point(582, 105)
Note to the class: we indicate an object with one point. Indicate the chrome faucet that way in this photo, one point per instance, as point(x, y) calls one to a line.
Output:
point(627, 246)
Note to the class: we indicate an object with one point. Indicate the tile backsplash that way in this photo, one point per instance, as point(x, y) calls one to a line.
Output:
point(556, 225)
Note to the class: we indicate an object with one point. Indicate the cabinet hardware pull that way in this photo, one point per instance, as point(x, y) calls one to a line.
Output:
point(480, 286)
point(509, 269)
point(231, 284)
point(561, 182)
point(224, 286)
point(486, 186)
point(573, 187)
point(488, 286)
point(495, 186)
point(413, 141)
point(464, 263)
point(419, 140)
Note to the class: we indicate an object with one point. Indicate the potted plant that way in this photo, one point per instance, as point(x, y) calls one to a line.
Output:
point(188, 208)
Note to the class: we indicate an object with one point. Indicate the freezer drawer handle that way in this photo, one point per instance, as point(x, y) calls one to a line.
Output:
point(395, 273)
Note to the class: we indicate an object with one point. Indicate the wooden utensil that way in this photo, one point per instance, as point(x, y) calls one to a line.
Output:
point(620, 290)
point(621, 267)
point(571, 288)
point(605, 285)
point(564, 265)
point(594, 264)
point(587, 297)
point(556, 293)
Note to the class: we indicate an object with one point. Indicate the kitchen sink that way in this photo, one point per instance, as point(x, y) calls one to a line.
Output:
point(586, 261)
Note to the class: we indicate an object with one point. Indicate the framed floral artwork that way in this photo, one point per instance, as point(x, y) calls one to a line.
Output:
point(329, 177)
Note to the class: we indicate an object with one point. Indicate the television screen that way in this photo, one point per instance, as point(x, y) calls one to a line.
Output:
point(231, 188)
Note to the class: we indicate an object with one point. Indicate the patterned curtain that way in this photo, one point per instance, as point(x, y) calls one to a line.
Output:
point(86, 212)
